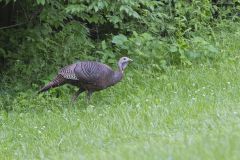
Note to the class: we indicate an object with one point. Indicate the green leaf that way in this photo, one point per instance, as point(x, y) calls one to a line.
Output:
point(42, 2)
point(119, 39)
point(114, 19)
point(212, 49)
point(2, 51)
point(104, 46)
point(173, 49)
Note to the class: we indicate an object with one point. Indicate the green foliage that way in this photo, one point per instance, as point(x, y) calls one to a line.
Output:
point(157, 34)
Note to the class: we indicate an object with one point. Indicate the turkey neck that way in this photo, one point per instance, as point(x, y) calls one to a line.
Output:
point(117, 76)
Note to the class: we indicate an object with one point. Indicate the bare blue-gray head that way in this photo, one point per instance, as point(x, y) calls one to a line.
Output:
point(123, 62)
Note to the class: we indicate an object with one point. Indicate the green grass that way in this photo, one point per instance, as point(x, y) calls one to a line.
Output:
point(188, 113)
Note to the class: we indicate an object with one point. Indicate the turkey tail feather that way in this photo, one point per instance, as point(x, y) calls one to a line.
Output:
point(59, 80)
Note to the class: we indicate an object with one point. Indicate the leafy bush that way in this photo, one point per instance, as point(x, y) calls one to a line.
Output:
point(47, 35)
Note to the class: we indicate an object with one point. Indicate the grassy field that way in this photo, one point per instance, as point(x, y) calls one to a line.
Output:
point(185, 113)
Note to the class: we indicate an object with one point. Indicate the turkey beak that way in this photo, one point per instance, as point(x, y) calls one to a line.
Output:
point(130, 60)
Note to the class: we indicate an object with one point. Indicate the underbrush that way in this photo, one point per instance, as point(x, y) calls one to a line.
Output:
point(216, 44)
point(38, 38)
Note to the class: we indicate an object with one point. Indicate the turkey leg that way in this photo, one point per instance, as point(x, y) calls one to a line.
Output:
point(74, 97)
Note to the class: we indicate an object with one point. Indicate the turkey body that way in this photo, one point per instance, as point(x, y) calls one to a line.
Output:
point(89, 76)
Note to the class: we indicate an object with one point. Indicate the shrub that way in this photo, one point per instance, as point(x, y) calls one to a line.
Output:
point(45, 35)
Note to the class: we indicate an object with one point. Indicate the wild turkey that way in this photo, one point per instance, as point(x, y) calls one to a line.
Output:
point(89, 76)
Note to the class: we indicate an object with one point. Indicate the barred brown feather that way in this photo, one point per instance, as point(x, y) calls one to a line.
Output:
point(59, 80)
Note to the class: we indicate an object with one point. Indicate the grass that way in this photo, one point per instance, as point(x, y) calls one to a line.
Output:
point(187, 113)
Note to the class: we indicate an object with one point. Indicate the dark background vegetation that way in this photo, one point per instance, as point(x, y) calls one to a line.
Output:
point(38, 37)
